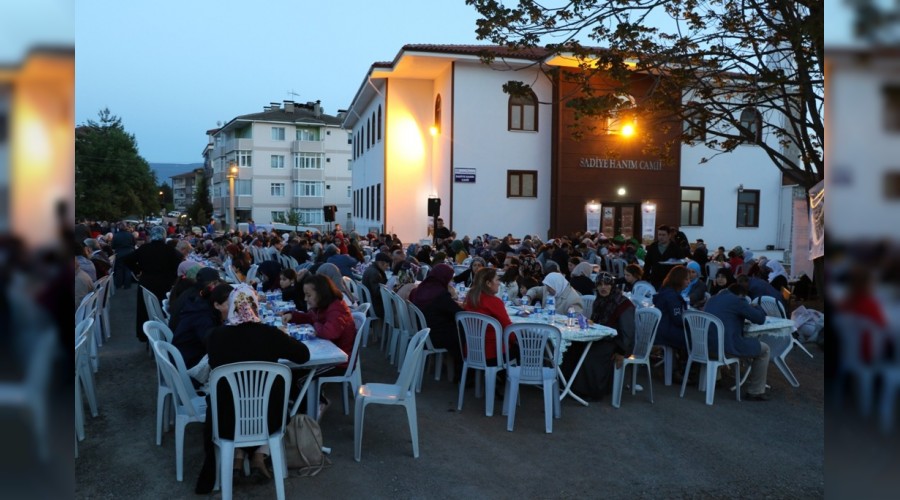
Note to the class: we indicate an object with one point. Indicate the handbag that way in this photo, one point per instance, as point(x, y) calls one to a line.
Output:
point(303, 446)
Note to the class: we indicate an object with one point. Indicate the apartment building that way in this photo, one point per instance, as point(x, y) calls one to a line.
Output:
point(184, 187)
point(289, 157)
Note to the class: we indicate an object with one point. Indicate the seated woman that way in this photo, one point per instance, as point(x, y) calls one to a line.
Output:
point(199, 315)
point(672, 306)
point(290, 290)
point(556, 285)
point(468, 275)
point(334, 274)
point(580, 278)
point(328, 314)
point(695, 291)
point(437, 300)
point(723, 280)
point(269, 274)
point(511, 279)
point(405, 281)
point(243, 338)
point(612, 309)
point(633, 274)
point(482, 298)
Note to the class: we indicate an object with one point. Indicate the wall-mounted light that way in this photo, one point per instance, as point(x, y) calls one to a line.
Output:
point(434, 131)
point(621, 191)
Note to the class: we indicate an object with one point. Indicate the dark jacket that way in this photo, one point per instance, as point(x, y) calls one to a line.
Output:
point(372, 279)
point(758, 287)
point(654, 272)
point(671, 325)
point(733, 310)
point(197, 319)
point(344, 263)
point(582, 284)
point(440, 316)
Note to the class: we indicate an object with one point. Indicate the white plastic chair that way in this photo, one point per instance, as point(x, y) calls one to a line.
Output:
point(472, 328)
point(697, 330)
point(618, 267)
point(711, 269)
point(351, 379)
point(83, 372)
point(105, 304)
point(774, 308)
point(156, 331)
point(251, 388)
point(530, 369)
point(850, 328)
point(366, 298)
point(31, 392)
point(188, 405)
point(393, 322)
point(401, 393)
point(587, 303)
point(642, 294)
point(646, 321)
point(417, 322)
point(154, 308)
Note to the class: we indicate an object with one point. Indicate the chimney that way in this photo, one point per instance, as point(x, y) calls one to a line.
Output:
point(317, 109)
point(288, 106)
point(341, 114)
point(274, 106)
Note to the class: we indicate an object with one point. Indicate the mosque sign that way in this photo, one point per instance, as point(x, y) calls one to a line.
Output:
point(620, 164)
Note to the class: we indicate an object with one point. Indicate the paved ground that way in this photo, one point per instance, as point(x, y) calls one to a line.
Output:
point(672, 448)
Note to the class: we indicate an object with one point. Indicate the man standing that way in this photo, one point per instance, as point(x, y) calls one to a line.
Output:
point(441, 232)
point(122, 244)
point(658, 252)
point(731, 307)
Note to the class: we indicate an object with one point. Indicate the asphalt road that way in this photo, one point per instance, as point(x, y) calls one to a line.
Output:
point(672, 448)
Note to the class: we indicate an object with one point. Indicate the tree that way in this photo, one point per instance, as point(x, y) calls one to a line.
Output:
point(167, 199)
point(293, 218)
point(111, 179)
point(729, 59)
point(201, 209)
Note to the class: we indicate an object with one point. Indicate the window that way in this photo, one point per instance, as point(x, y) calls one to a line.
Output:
point(378, 202)
point(748, 208)
point(379, 122)
point(349, 138)
point(244, 133)
point(751, 125)
point(277, 133)
point(245, 158)
point(243, 187)
point(523, 112)
point(349, 164)
point(277, 215)
point(348, 192)
point(369, 134)
point(308, 188)
point(521, 184)
point(437, 113)
point(277, 161)
point(691, 206)
point(891, 107)
point(312, 216)
point(695, 122)
point(307, 134)
point(308, 160)
point(277, 189)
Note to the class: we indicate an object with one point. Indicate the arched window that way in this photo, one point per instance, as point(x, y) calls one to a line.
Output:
point(751, 125)
point(437, 114)
point(523, 112)
point(379, 122)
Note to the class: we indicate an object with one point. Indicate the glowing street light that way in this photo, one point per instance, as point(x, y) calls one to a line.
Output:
point(232, 175)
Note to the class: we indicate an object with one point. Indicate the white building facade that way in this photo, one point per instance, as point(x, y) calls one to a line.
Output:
point(436, 122)
point(290, 157)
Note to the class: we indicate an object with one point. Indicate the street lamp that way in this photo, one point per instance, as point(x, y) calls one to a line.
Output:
point(232, 175)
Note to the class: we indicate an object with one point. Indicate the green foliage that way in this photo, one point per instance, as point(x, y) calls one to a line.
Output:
point(201, 209)
point(293, 218)
point(723, 55)
point(111, 179)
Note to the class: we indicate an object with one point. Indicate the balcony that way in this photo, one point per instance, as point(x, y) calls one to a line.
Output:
point(308, 146)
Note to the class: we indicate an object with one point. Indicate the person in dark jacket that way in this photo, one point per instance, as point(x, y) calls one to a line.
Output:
point(660, 251)
point(580, 278)
point(122, 244)
point(758, 287)
point(199, 316)
point(373, 277)
point(203, 278)
point(156, 265)
point(672, 306)
point(731, 307)
point(466, 277)
point(437, 300)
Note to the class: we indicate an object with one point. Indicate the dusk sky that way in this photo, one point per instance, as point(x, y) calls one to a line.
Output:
point(172, 69)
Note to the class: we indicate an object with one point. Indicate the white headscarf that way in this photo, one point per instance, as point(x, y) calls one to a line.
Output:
point(556, 281)
point(243, 306)
point(776, 269)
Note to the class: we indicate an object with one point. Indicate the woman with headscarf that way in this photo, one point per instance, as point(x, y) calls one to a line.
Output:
point(437, 300)
point(556, 285)
point(736, 260)
point(468, 275)
point(531, 270)
point(777, 275)
point(612, 309)
point(580, 278)
point(244, 338)
point(722, 281)
point(334, 274)
point(406, 278)
point(328, 313)
point(695, 292)
point(156, 266)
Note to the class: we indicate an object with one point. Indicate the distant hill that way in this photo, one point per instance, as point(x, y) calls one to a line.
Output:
point(166, 170)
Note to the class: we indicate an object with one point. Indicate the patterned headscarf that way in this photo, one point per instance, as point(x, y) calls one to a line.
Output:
point(243, 306)
point(157, 233)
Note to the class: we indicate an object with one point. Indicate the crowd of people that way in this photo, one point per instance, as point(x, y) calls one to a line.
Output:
point(213, 321)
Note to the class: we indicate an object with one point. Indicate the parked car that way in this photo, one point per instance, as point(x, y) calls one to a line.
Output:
point(173, 213)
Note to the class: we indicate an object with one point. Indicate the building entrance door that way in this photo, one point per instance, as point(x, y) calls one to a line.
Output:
point(620, 218)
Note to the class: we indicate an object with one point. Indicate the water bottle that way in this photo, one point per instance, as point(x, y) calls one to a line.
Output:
point(505, 298)
point(570, 317)
point(550, 310)
point(524, 302)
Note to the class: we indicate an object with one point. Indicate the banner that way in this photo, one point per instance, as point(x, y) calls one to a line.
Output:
point(592, 213)
point(817, 221)
point(648, 222)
